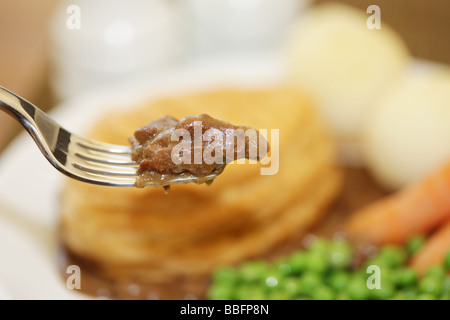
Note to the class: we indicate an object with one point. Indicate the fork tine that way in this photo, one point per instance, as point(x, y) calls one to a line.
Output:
point(109, 171)
point(98, 146)
point(95, 178)
point(100, 158)
point(107, 148)
point(101, 162)
point(100, 168)
point(101, 153)
point(100, 174)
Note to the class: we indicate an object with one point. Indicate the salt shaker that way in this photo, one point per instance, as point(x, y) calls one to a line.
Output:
point(99, 42)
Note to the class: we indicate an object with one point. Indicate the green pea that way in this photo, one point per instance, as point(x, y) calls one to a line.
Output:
point(340, 255)
point(284, 269)
point(256, 294)
point(252, 271)
point(242, 292)
point(338, 280)
point(298, 262)
point(359, 274)
point(380, 287)
point(249, 292)
point(320, 245)
point(447, 261)
point(378, 261)
point(378, 277)
point(426, 296)
point(320, 273)
point(323, 293)
point(220, 292)
point(272, 281)
point(399, 296)
point(437, 272)
point(406, 294)
point(225, 274)
point(446, 286)
point(279, 295)
point(308, 282)
point(357, 289)
point(342, 296)
point(317, 262)
point(387, 276)
point(393, 256)
point(410, 294)
point(387, 291)
point(405, 277)
point(431, 285)
point(415, 243)
point(291, 287)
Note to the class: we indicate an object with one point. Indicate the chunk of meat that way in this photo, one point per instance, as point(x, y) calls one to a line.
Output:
point(196, 147)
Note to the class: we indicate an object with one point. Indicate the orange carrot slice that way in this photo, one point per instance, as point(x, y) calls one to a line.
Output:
point(434, 250)
point(411, 211)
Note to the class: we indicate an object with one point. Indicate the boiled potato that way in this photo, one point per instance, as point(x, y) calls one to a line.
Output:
point(345, 65)
point(408, 133)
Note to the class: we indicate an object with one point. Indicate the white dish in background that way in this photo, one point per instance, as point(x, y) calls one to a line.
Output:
point(30, 186)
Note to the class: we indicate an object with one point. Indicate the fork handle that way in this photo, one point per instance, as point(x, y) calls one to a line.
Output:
point(26, 113)
point(20, 109)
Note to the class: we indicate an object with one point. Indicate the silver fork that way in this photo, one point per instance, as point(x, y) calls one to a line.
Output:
point(77, 157)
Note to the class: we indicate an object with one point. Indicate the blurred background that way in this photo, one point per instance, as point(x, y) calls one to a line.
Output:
point(46, 61)
point(384, 96)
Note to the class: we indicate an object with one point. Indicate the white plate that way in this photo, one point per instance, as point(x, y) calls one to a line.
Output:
point(29, 186)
